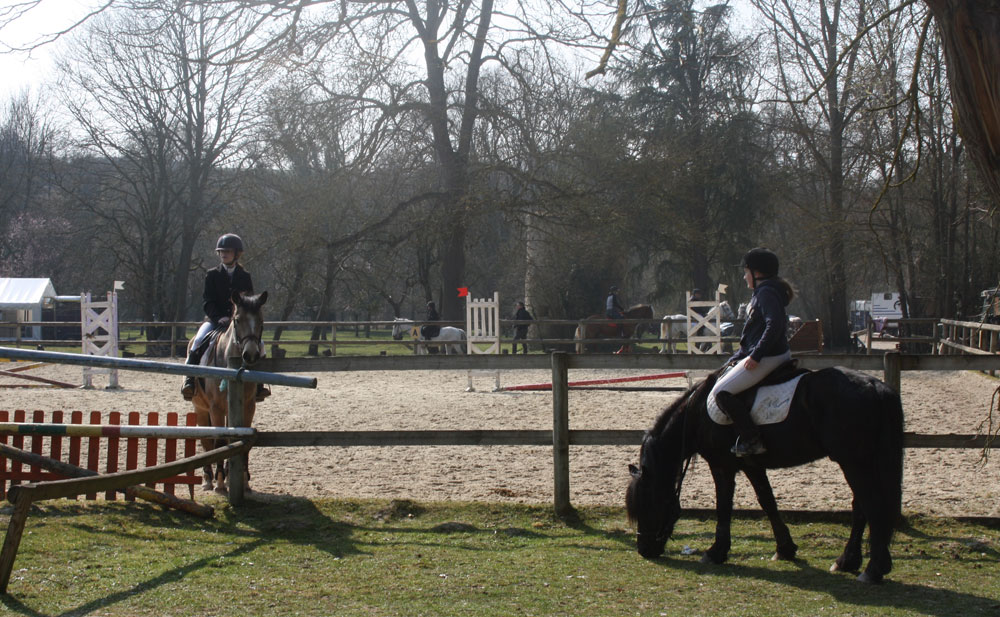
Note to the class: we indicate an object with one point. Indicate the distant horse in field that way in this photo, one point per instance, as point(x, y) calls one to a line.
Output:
point(609, 329)
point(852, 418)
point(211, 403)
point(452, 340)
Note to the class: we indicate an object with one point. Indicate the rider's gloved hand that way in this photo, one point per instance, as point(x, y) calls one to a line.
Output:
point(224, 322)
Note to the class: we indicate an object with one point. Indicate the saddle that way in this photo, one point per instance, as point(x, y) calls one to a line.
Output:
point(769, 400)
point(786, 372)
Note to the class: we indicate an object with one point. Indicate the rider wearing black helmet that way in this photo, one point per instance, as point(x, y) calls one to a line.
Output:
point(431, 331)
point(220, 283)
point(763, 346)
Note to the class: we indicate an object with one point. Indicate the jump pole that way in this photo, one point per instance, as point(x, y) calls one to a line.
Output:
point(116, 430)
point(596, 382)
point(141, 492)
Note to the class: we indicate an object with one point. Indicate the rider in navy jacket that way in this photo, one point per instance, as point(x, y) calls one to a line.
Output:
point(767, 322)
point(763, 346)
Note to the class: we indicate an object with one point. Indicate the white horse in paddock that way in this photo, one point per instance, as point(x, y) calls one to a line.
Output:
point(452, 340)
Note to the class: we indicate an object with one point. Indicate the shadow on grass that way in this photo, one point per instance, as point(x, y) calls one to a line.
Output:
point(291, 520)
point(925, 600)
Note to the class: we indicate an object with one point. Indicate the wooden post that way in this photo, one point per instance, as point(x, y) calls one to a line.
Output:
point(15, 529)
point(993, 348)
point(871, 331)
point(892, 370)
point(582, 329)
point(234, 391)
point(560, 432)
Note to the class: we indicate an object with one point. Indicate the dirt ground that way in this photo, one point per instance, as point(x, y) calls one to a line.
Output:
point(937, 482)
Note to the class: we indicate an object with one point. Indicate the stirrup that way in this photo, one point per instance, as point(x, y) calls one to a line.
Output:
point(187, 391)
point(748, 448)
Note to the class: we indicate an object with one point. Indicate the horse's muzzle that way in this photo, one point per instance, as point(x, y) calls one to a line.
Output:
point(650, 549)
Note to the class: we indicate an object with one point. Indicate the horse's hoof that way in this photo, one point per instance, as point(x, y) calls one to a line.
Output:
point(709, 560)
point(869, 578)
point(222, 490)
point(207, 486)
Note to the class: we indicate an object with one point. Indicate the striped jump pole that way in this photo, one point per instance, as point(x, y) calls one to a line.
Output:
point(598, 382)
point(115, 430)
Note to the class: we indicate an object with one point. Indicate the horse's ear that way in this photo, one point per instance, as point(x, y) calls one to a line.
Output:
point(633, 470)
point(236, 296)
point(262, 298)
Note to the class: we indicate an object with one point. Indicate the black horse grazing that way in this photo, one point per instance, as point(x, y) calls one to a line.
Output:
point(853, 418)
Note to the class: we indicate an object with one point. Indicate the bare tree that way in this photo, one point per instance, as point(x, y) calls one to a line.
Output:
point(163, 117)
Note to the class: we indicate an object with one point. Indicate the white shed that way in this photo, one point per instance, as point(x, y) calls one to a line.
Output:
point(22, 300)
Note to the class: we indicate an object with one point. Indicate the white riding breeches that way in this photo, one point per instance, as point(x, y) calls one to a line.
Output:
point(199, 338)
point(737, 378)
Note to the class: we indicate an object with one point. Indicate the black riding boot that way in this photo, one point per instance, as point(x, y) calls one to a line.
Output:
point(194, 357)
point(262, 392)
point(749, 441)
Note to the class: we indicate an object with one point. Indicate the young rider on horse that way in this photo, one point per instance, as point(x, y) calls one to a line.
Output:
point(431, 331)
point(220, 283)
point(763, 346)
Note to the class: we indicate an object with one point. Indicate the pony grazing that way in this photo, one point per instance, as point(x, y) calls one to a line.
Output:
point(852, 418)
point(211, 403)
point(608, 329)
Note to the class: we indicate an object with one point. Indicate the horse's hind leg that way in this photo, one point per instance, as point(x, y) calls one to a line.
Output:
point(850, 559)
point(868, 506)
point(786, 547)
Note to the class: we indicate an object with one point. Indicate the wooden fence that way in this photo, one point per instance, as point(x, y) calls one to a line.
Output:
point(968, 337)
point(562, 436)
point(101, 455)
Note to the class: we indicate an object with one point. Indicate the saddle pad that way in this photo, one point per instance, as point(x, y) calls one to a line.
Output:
point(770, 405)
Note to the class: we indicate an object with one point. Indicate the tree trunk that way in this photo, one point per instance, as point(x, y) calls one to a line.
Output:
point(969, 31)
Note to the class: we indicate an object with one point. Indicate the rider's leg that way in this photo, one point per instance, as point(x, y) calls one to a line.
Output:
point(749, 441)
point(194, 357)
point(738, 379)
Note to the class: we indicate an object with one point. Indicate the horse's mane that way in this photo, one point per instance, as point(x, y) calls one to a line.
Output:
point(252, 303)
point(693, 397)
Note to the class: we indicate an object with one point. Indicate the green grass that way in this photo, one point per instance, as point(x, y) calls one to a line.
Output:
point(332, 557)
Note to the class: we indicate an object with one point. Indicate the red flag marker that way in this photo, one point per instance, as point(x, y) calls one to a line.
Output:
point(463, 292)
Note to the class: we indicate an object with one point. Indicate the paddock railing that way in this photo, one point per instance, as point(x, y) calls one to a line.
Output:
point(969, 337)
point(561, 436)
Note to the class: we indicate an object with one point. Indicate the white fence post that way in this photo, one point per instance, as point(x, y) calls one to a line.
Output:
point(99, 335)
point(482, 325)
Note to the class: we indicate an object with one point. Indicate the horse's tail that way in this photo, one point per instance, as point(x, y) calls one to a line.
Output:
point(890, 453)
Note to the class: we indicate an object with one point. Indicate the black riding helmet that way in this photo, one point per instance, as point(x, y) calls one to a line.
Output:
point(229, 241)
point(761, 260)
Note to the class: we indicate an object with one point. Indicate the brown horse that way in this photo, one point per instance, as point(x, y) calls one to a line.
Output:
point(609, 329)
point(211, 405)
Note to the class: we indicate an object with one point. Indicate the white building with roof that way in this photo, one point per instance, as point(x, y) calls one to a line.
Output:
point(22, 300)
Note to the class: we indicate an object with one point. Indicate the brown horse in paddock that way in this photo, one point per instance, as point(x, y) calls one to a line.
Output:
point(609, 329)
point(211, 402)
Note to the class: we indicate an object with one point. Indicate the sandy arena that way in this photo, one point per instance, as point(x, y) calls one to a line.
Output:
point(936, 482)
